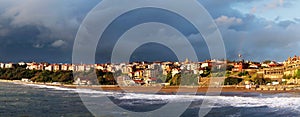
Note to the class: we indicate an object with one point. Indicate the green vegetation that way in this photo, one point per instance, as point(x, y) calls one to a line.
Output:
point(106, 78)
point(189, 79)
point(65, 77)
point(232, 81)
point(297, 74)
point(243, 74)
point(287, 76)
point(228, 73)
point(262, 81)
point(229, 68)
point(175, 81)
point(36, 75)
point(103, 78)
point(49, 76)
point(17, 73)
point(183, 79)
point(169, 77)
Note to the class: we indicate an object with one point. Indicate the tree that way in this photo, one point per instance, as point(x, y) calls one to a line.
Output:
point(175, 81)
point(43, 76)
point(66, 77)
point(267, 80)
point(228, 73)
point(101, 80)
point(189, 79)
point(169, 77)
point(243, 74)
point(297, 74)
point(259, 81)
point(232, 81)
point(229, 68)
point(99, 73)
point(205, 73)
point(109, 78)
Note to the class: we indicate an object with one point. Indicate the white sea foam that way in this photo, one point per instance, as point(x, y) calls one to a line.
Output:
point(272, 101)
point(76, 90)
point(223, 101)
point(50, 87)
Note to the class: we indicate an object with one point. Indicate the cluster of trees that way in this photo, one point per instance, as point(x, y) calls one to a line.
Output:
point(245, 73)
point(50, 76)
point(296, 76)
point(107, 78)
point(66, 77)
point(103, 78)
point(232, 81)
point(254, 78)
point(179, 79)
point(18, 73)
point(237, 81)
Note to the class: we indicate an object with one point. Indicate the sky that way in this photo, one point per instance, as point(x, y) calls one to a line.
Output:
point(45, 30)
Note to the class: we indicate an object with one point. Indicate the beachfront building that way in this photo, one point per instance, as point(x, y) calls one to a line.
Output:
point(254, 65)
point(21, 63)
point(65, 67)
point(82, 81)
point(56, 67)
point(292, 65)
point(111, 68)
point(99, 67)
point(71, 67)
point(274, 73)
point(194, 67)
point(127, 69)
point(125, 81)
point(138, 74)
point(80, 67)
point(2, 65)
point(9, 65)
point(240, 66)
point(34, 66)
point(49, 67)
point(152, 73)
point(207, 64)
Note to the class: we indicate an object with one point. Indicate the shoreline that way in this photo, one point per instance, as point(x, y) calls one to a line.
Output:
point(172, 89)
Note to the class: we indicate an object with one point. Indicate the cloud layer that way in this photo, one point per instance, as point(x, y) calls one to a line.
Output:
point(45, 29)
point(35, 30)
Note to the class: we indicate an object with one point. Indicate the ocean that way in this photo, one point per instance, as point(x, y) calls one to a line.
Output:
point(19, 100)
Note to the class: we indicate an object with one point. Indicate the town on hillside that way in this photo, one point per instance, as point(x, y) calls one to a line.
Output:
point(169, 73)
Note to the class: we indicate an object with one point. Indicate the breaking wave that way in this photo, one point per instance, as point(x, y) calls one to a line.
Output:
point(280, 101)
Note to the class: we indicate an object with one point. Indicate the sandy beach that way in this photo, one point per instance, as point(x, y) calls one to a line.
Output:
point(174, 89)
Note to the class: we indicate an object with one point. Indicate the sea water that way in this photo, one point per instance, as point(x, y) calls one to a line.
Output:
point(40, 100)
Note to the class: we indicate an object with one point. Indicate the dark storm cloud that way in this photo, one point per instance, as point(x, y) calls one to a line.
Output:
point(44, 30)
point(40, 30)
point(254, 37)
point(259, 39)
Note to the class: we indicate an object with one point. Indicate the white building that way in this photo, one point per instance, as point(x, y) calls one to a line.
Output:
point(9, 65)
point(2, 65)
point(21, 63)
point(49, 68)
